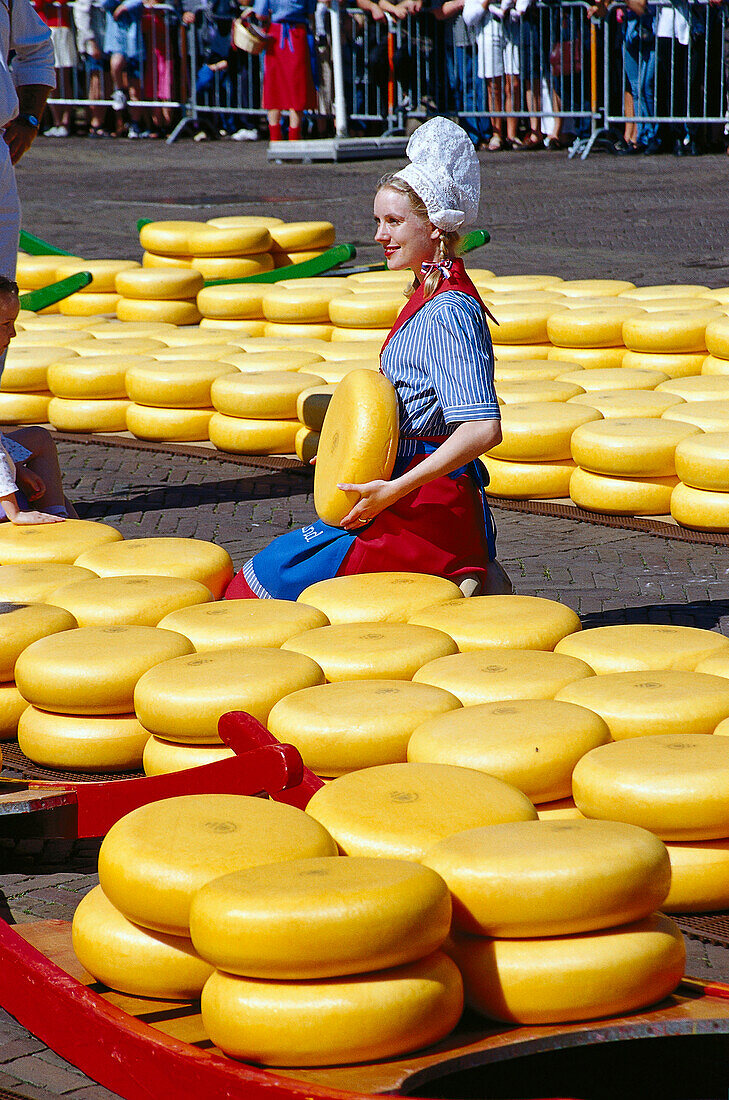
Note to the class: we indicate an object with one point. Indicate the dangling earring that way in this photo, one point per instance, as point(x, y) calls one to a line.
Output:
point(442, 249)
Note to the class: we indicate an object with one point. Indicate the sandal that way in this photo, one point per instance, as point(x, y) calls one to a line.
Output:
point(517, 143)
point(495, 145)
point(553, 143)
point(97, 132)
point(532, 140)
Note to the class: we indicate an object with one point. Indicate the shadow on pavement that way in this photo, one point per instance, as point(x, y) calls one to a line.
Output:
point(706, 614)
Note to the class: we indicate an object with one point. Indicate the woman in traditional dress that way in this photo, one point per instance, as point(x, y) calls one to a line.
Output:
point(431, 516)
point(288, 84)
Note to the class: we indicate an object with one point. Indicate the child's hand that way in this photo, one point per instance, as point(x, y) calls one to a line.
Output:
point(32, 485)
point(28, 519)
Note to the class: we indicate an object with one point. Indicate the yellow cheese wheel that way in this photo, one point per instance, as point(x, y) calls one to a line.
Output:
point(262, 395)
point(162, 283)
point(341, 727)
point(286, 259)
point(699, 876)
point(633, 447)
point(95, 668)
point(153, 860)
point(185, 700)
point(532, 744)
point(338, 1020)
point(507, 353)
point(234, 302)
point(335, 372)
point(378, 597)
point(358, 442)
point(562, 809)
point(594, 288)
point(39, 271)
point(510, 622)
point(132, 959)
point(82, 743)
point(208, 353)
point(540, 431)
point(674, 364)
point(716, 294)
point(665, 305)
point(290, 330)
point(189, 338)
point(176, 313)
point(243, 328)
point(316, 282)
point(268, 361)
point(622, 496)
point(365, 311)
point(717, 337)
point(617, 378)
point(531, 370)
point(179, 425)
point(707, 387)
point(170, 238)
point(589, 358)
point(253, 437)
point(702, 461)
point(24, 408)
point(716, 665)
point(240, 240)
point(627, 403)
point(89, 305)
point(237, 220)
point(512, 393)
point(87, 378)
point(306, 444)
point(341, 350)
point(528, 480)
point(297, 236)
point(590, 327)
point(24, 377)
point(23, 624)
point(32, 583)
point(676, 785)
point(666, 290)
point(232, 267)
point(388, 278)
point(644, 646)
point(709, 416)
point(679, 331)
point(551, 878)
point(522, 323)
point(700, 509)
point(647, 703)
point(371, 651)
point(400, 811)
point(156, 260)
point(134, 345)
point(523, 282)
point(367, 336)
point(243, 623)
point(161, 757)
point(320, 918)
point(53, 543)
point(179, 384)
point(79, 415)
point(193, 559)
point(489, 675)
point(33, 323)
point(12, 705)
point(41, 341)
point(299, 304)
point(581, 977)
point(131, 601)
point(111, 330)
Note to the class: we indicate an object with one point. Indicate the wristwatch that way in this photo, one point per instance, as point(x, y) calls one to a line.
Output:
point(27, 120)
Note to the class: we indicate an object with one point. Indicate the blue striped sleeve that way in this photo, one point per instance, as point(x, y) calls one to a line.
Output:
point(461, 360)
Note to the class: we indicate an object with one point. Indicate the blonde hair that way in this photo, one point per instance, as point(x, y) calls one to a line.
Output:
point(447, 242)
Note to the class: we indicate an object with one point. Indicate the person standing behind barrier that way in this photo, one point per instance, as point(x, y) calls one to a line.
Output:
point(90, 19)
point(160, 25)
point(288, 84)
point(498, 65)
point(679, 72)
point(123, 41)
point(460, 46)
point(639, 66)
point(56, 14)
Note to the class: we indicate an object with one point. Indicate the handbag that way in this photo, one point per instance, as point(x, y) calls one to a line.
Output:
point(247, 36)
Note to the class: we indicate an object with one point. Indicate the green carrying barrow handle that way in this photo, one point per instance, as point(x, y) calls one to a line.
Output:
point(56, 292)
point(36, 246)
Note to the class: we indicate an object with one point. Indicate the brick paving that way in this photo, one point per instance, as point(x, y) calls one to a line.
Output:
point(659, 220)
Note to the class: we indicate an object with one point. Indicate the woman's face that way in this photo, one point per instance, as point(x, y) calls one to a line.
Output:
point(407, 239)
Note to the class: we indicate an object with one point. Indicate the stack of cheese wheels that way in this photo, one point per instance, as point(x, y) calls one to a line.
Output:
point(592, 335)
point(717, 343)
point(325, 961)
point(132, 932)
point(375, 308)
point(81, 691)
point(89, 389)
point(53, 543)
point(554, 921)
point(234, 247)
point(301, 307)
point(627, 466)
point(295, 242)
point(533, 458)
point(256, 411)
point(101, 295)
point(677, 786)
point(128, 600)
point(159, 294)
point(191, 559)
point(171, 398)
point(644, 646)
point(701, 499)
point(311, 407)
point(21, 625)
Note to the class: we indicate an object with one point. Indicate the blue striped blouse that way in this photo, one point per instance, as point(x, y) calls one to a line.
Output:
point(441, 363)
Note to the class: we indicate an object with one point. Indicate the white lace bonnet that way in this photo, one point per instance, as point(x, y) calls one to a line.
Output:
point(445, 173)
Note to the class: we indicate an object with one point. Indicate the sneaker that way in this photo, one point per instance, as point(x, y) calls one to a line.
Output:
point(200, 136)
point(52, 131)
point(134, 131)
point(244, 134)
point(118, 99)
point(61, 131)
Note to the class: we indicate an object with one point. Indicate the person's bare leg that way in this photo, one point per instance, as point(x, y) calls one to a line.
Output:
point(511, 104)
point(44, 464)
point(497, 581)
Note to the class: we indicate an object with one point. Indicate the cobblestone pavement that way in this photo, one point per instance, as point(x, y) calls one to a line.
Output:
point(657, 220)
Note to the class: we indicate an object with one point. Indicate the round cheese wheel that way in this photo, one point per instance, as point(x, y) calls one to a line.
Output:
point(263, 395)
point(39, 271)
point(717, 665)
point(618, 378)
point(241, 240)
point(154, 860)
point(24, 408)
point(489, 675)
point(358, 442)
point(699, 876)
point(26, 369)
point(53, 543)
point(523, 282)
point(664, 305)
point(232, 267)
point(179, 425)
point(622, 496)
point(679, 331)
point(590, 327)
point(341, 350)
point(161, 757)
point(79, 415)
point(185, 700)
point(700, 509)
point(711, 387)
point(633, 447)
point(666, 290)
point(131, 601)
point(156, 260)
point(35, 583)
point(532, 744)
point(109, 331)
point(235, 221)
point(23, 624)
point(253, 437)
point(594, 288)
point(508, 353)
point(94, 669)
point(150, 309)
point(511, 393)
point(300, 304)
point(243, 328)
point(400, 811)
point(528, 480)
point(562, 809)
point(340, 1020)
point(41, 341)
point(297, 236)
point(189, 338)
point(281, 361)
point(321, 918)
point(170, 238)
point(306, 444)
point(193, 559)
point(371, 651)
point(88, 305)
point(206, 353)
point(717, 337)
point(551, 878)
point(716, 294)
point(510, 622)
point(365, 311)
point(540, 431)
point(366, 336)
point(589, 358)
point(702, 461)
point(82, 743)
point(339, 728)
point(674, 364)
point(531, 370)
point(644, 646)
point(132, 959)
point(709, 416)
point(334, 373)
point(290, 330)
point(37, 324)
point(676, 785)
point(180, 384)
point(628, 403)
point(581, 977)
point(12, 705)
point(243, 623)
point(87, 378)
point(159, 283)
point(378, 597)
point(522, 323)
point(647, 703)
